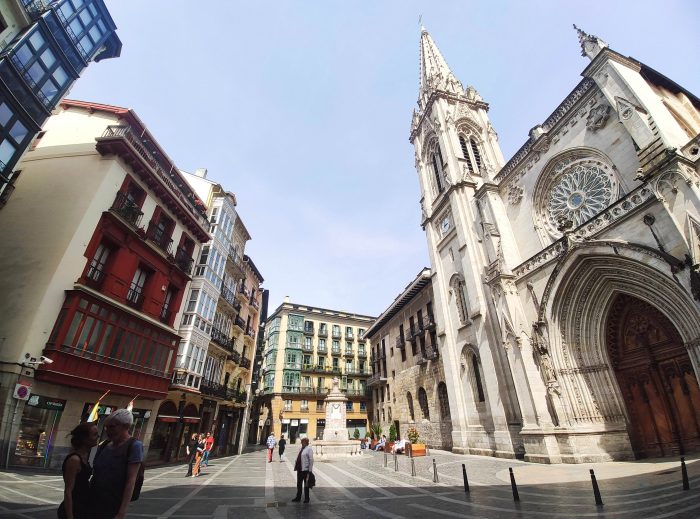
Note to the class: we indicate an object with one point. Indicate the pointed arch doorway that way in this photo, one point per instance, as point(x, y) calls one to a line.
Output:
point(656, 378)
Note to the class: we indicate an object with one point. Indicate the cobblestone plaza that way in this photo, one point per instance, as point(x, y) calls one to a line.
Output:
point(246, 486)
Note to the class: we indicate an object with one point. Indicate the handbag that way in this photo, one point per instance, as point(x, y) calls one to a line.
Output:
point(311, 481)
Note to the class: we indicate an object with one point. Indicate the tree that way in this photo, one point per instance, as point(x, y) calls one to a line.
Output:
point(356, 434)
point(392, 433)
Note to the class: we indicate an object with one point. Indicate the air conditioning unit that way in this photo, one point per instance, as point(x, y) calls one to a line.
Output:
point(22, 391)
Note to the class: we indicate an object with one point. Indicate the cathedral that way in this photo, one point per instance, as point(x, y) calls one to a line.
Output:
point(566, 280)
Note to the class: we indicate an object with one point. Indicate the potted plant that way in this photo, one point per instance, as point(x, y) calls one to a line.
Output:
point(356, 434)
point(376, 434)
point(416, 447)
point(392, 438)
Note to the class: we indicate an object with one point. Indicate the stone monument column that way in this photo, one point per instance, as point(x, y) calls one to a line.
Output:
point(336, 412)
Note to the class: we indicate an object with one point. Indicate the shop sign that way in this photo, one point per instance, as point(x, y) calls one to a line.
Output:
point(320, 422)
point(101, 410)
point(295, 422)
point(22, 391)
point(42, 402)
point(304, 420)
point(285, 420)
point(141, 413)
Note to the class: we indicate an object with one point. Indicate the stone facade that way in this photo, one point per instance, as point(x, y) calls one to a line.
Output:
point(542, 266)
point(409, 381)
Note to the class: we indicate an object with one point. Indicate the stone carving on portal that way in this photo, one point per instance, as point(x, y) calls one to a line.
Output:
point(597, 117)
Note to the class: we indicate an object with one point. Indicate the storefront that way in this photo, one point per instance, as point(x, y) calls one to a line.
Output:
point(171, 432)
point(320, 426)
point(36, 431)
point(138, 429)
point(360, 425)
point(295, 428)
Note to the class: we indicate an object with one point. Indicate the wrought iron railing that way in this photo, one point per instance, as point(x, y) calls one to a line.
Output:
point(183, 259)
point(127, 209)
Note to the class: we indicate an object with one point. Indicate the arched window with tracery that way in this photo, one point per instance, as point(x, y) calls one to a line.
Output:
point(460, 294)
point(409, 400)
point(471, 154)
point(423, 402)
point(444, 401)
point(477, 379)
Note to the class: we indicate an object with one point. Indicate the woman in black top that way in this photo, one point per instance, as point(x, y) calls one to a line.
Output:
point(77, 472)
point(282, 444)
point(191, 454)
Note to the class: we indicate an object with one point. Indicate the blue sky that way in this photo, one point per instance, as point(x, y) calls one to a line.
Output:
point(303, 110)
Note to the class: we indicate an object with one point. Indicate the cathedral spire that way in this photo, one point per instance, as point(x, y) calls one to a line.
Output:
point(590, 45)
point(435, 74)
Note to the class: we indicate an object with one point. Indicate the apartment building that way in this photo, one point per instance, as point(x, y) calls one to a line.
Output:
point(103, 230)
point(408, 381)
point(306, 348)
point(217, 330)
point(45, 45)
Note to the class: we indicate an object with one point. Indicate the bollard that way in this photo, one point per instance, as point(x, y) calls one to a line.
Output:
point(513, 486)
point(413, 467)
point(435, 474)
point(396, 463)
point(385, 459)
point(464, 476)
point(596, 490)
point(684, 473)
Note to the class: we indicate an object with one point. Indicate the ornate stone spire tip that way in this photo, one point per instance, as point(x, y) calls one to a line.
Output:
point(591, 45)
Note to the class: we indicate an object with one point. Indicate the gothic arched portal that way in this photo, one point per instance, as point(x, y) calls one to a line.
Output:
point(656, 379)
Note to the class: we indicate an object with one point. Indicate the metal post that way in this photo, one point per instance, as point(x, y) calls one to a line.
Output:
point(435, 474)
point(413, 467)
point(596, 490)
point(396, 463)
point(513, 486)
point(464, 476)
point(385, 458)
point(684, 473)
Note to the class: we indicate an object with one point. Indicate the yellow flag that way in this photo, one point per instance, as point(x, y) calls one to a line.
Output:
point(95, 409)
point(130, 407)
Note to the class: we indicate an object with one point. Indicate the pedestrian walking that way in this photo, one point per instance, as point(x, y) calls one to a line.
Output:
point(208, 445)
point(303, 466)
point(199, 453)
point(271, 442)
point(116, 468)
point(282, 446)
point(191, 450)
point(76, 473)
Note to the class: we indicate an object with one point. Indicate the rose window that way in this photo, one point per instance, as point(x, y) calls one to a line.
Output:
point(580, 194)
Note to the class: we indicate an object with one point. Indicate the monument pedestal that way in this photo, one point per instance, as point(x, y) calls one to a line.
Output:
point(336, 441)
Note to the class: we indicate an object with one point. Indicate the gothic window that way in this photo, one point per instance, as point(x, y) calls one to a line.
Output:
point(460, 294)
point(477, 379)
point(437, 172)
point(423, 402)
point(443, 401)
point(409, 400)
point(475, 152)
point(471, 154)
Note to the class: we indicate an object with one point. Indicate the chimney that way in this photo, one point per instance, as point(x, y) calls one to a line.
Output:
point(286, 299)
point(200, 172)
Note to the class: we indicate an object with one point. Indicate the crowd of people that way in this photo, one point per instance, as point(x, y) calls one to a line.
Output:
point(198, 450)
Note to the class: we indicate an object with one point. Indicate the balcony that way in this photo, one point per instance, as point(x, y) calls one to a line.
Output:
point(349, 336)
point(245, 362)
point(308, 347)
point(134, 298)
point(427, 354)
point(95, 276)
point(292, 365)
point(376, 380)
point(127, 209)
point(322, 349)
point(243, 293)
point(159, 237)
point(349, 354)
point(336, 335)
point(308, 329)
point(239, 323)
point(362, 354)
point(361, 337)
point(184, 261)
point(235, 357)
point(222, 339)
point(236, 263)
point(357, 393)
point(227, 295)
point(335, 351)
point(213, 389)
point(323, 332)
point(166, 315)
point(250, 333)
point(400, 342)
point(310, 390)
point(429, 322)
point(254, 303)
point(293, 345)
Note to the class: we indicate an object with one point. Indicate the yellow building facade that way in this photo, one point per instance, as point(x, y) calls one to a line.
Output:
point(305, 348)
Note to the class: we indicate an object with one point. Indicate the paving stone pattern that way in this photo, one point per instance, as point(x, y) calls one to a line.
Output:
point(247, 487)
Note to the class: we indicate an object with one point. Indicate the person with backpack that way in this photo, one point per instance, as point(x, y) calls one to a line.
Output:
point(271, 442)
point(76, 473)
point(117, 469)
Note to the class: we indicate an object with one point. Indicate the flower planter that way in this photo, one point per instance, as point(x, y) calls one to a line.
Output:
point(416, 449)
point(388, 446)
